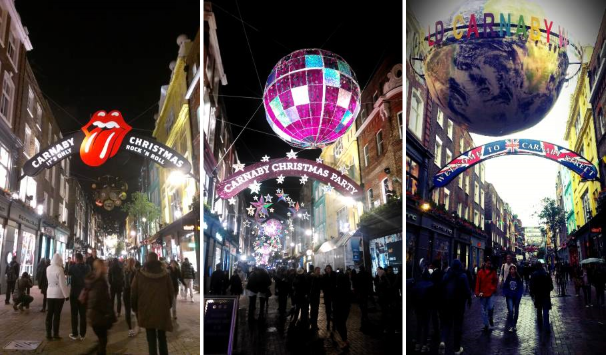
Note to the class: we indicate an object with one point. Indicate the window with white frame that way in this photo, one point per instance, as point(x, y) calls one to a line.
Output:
point(482, 198)
point(36, 146)
point(450, 128)
point(45, 203)
point(379, 139)
point(39, 116)
point(476, 193)
point(13, 48)
point(440, 118)
point(577, 125)
point(446, 199)
point(400, 128)
point(602, 122)
point(482, 222)
point(27, 142)
point(30, 102)
point(482, 172)
point(466, 214)
point(369, 197)
point(3, 22)
point(460, 178)
point(448, 156)
point(435, 196)
point(366, 155)
point(6, 101)
point(338, 148)
point(476, 217)
point(461, 145)
point(415, 122)
point(50, 133)
point(438, 152)
point(467, 184)
point(459, 209)
point(27, 192)
point(4, 167)
point(51, 207)
point(476, 169)
point(385, 189)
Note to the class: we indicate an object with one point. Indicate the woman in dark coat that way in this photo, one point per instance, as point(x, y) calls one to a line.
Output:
point(235, 284)
point(100, 312)
point(342, 305)
point(175, 277)
point(42, 280)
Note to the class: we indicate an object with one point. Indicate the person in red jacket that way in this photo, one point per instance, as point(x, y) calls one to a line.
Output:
point(486, 286)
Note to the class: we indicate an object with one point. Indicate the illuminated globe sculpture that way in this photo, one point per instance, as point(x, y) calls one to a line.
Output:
point(311, 98)
point(494, 85)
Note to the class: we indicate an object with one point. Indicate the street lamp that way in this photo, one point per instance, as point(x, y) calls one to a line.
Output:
point(176, 178)
point(425, 206)
point(144, 219)
point(308, 232)
point(40, 209)
point(133, 233)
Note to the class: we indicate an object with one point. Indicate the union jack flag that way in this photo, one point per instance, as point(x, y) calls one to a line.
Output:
point(512, 145)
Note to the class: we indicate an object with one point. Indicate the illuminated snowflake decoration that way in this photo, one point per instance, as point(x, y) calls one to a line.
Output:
point(280, 179)
point(311, 98)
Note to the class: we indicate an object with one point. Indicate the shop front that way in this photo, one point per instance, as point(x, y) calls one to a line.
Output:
point(61, 236)
point(461, 250)
point(47, 237)
point(23, 224)
point(413, 223)
point(478, 246)
point(4, 207)
point(443, 238)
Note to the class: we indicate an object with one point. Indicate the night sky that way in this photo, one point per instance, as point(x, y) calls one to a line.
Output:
point(106, 55)
point(363, 33)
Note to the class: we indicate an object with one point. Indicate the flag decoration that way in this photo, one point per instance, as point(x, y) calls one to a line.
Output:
point(564, 156)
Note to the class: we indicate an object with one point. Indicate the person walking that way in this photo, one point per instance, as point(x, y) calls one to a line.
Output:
point(42, 280)
point(586, 286)
point(435, 304)
point(301, 288)
point(99, 308)
point(78, 273)
point(218, 281)
point(599, 278)
point(284, 290)
point(455, 293)
point(329, 282)
point(252, 289)
point(188, 274)
point(116, 283)
point(315, 287)
point(20, 297)
point(235, 285)
point(363, 290)
point(513, 288)
point(264, 293)
point(504, 272)
point(175, 277)
point(57, 294)
point(486, 286)
point(421, 303)
point(541, 286)
point(129, 275)
point(342, 305)
point(12, 275)
point(151, 298)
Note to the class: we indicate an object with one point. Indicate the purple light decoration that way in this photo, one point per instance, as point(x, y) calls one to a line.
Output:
point(311, 98)
point(272, 228)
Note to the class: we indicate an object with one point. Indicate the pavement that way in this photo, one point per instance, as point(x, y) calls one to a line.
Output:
point(30, 325)
point(575, 329)
point(278, 336)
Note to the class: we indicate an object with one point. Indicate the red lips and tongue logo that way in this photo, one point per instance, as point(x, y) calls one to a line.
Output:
point(103, 137)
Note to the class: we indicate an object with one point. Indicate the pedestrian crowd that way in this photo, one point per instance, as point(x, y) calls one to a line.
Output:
point(97, 289)
point(339, 289)
point(442, 293)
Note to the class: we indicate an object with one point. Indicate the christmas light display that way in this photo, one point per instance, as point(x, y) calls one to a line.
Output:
point(311, 98)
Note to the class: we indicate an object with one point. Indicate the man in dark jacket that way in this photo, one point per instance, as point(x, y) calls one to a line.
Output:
point(116, 283)
point(329, 282)
point(42, 280)
point(541, 286)
point(455, 292)
point(284, 289)
point(301, 288)
point(252, 288)
point(342, 305)
point(314, 297)
point(362, 285)
point(78, 273)
point(188, 273)
point(12, 275)
point(218, 281)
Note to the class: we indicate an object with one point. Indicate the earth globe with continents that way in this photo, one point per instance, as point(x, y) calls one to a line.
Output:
point(311, 98)
point(495, 85)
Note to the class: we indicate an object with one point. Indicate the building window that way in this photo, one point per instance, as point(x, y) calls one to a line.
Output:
point(586, 207)
point(342, 220)
point(13, 48)
point(446, 199)
point(602, 122)
point(482, 171)
point(467, 184)
point(415, 123)
point(30, 102)
point(435, 196)
point(482, 222)
point(450, 129)
point(379, 138)
point(27, 151)
point(6, 101)
point(448, 156)
point(461, 145)
point(39, 116)
point(577, 125)
point(400, 128)
point(476, 217)
point(438, 152)
point(27, 191)
point(440, 118)
point(369, 196)
point(385, 189)
point(466, 214)
point(482, 199)
point(3, 22)
point(476, 193)
point(476, 169)
point(412, 176)
point(366, 155)
point(4, 168)
point(461, 181)
point(459, 209)
point(338, 148)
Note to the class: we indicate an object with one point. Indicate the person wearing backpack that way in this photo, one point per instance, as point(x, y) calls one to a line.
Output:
point(455, 293)
point(541, 286)
point(77, 272)
point(12, 274)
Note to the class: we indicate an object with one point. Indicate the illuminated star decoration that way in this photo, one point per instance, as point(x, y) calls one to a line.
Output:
point(232, 201)
point(261, 206)
point(254, 187)
point(239, 167)
point(278, 191)
point(305, 215)
point(251, 211)
point(265, 159)
point(328, 188)
point(291, 228)
point(302, 204)
point(268, 198)
point(342, 169)
point(271, 210)
point(288, 214)
point(291, 203)
point(247, 223)
point(291, 155)
point(256, 198)
point(280, 179)
point(282, 197)
point(319, 160)
point(303, 179)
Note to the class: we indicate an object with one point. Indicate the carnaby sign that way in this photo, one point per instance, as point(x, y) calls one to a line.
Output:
point(99, 140)
point(284, 167)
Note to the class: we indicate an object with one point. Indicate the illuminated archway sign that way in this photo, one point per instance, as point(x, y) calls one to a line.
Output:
point(99, 140)
point(566, 157)
point(274, 168)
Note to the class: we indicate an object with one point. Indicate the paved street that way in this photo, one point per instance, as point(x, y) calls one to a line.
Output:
point(277, 337)
point(575, 329)
point(29, 325)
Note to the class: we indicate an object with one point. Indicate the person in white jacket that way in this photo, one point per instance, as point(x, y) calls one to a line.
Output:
point(56, 294)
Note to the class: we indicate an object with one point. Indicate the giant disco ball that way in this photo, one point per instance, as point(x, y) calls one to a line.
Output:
point(495, 86)
point(311, 98)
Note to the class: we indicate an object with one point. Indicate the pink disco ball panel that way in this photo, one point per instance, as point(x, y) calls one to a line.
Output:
point(311, 98)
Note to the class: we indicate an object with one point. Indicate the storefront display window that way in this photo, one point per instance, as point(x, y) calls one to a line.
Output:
point(188, 249)
point(384, 249)
point(27, 253)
